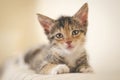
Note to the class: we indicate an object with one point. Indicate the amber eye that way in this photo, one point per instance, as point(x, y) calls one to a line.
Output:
point(75, 32)
point(59, 35)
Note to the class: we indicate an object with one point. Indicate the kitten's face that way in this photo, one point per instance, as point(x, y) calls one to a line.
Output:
point(66, 32)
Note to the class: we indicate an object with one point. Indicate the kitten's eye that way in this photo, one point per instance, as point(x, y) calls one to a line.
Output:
point(59, 35)
point(75, 32)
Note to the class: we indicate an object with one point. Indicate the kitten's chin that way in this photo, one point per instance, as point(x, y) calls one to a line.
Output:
point(70, 47)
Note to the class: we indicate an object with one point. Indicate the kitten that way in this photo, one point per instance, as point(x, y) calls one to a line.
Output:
point(66, 52)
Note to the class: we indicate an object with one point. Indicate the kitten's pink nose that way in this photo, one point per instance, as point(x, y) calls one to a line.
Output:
point(69, 42)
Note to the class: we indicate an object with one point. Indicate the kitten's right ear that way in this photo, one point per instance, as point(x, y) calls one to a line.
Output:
point(46, 22)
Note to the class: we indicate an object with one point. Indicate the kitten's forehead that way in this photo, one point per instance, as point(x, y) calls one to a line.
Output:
point(65, 23)
point(62, 21)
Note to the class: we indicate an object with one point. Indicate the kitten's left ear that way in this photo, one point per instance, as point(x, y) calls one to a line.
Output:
point(82, 14)
point(46, 22)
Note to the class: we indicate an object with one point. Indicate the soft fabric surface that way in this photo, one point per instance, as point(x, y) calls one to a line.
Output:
point(15, 71)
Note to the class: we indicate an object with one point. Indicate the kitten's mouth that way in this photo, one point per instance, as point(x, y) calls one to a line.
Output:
point(70, 47)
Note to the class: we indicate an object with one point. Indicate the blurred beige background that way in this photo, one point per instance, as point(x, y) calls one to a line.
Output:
point(20, 30)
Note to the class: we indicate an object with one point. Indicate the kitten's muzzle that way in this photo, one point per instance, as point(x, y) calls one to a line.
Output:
point(69, 46)
point(68, 42)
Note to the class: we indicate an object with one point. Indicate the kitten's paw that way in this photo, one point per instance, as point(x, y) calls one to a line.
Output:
point(86, 70)
point(60, 69)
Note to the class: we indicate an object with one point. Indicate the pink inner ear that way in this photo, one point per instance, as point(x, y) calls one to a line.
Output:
point(83, 18)
point(46, 26)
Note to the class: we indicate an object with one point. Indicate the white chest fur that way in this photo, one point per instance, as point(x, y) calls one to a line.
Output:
point(73, 56)
point(70, 56)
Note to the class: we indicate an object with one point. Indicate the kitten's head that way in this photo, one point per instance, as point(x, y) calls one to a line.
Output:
point(66, 32)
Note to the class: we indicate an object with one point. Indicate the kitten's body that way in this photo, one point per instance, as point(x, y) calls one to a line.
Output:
point(66, 52)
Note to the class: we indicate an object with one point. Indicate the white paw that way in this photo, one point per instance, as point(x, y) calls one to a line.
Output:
point(86, 70)
point(59, 69)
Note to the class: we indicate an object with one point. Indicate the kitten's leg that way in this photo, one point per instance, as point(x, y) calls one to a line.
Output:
point(54, 69)
point(83, 65)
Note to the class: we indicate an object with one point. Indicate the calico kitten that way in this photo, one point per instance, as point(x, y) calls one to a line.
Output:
point(66, 52)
